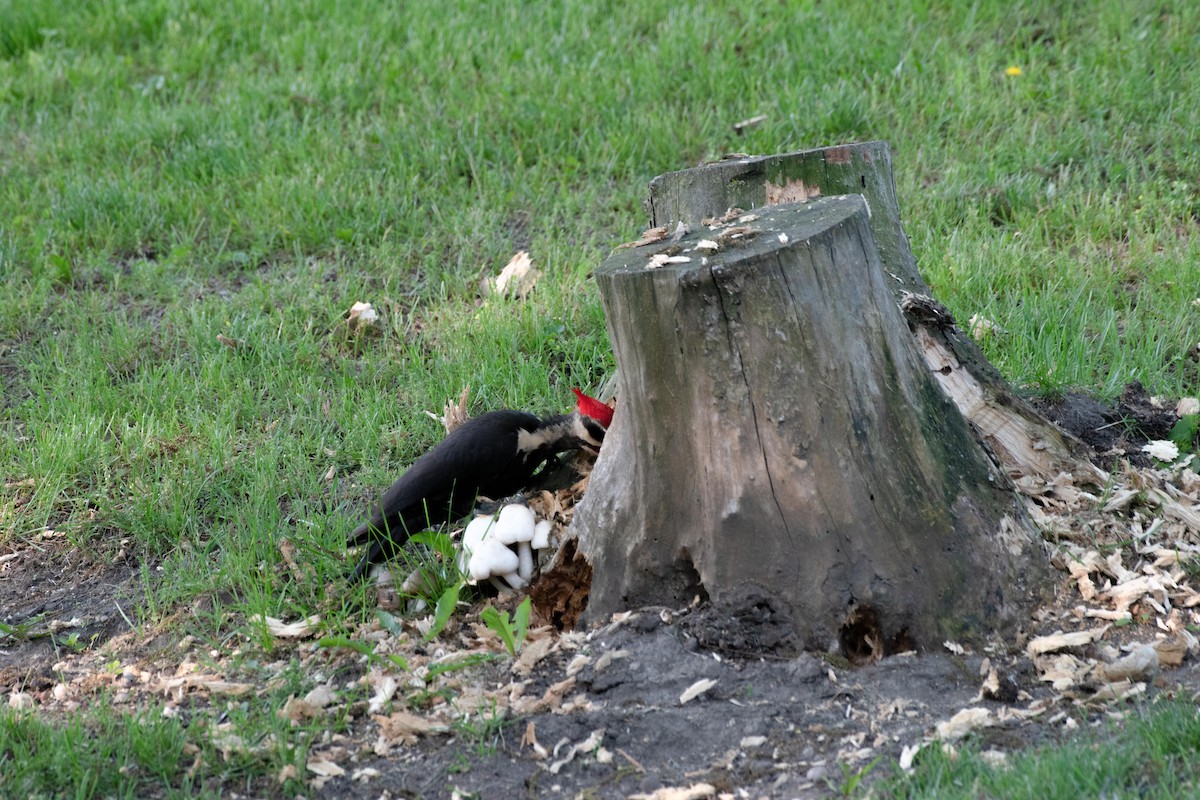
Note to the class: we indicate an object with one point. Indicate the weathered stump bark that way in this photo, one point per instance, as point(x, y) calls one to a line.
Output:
point(777, 430)
point(1025, 442)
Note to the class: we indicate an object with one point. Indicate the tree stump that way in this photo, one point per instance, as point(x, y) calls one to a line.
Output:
point(777, 431)
point(1025, 442)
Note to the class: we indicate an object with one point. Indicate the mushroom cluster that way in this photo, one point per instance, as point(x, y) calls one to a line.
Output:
point(499, 547)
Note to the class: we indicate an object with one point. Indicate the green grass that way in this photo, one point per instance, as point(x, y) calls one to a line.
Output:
point(105, 752)
point(174, 171)
point(117, 756)
point(1152, 757)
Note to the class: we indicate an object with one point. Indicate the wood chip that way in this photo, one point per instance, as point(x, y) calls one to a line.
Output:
point(532, 653)
point(529, 739)
point(403, 727)
point(209, 683)
point(1139, 665)
point(518, 277)
point(1172, 652)
point(649, 236)
point(385, 689)
point(740, 127)
point(1040, 645)
point(454, 413)
point(588, 745)
point(964, 722)
point(551, 700)
point(662, 259)
point(301, 629)
point(696, 689)
point(326, 769)
point(697, 791)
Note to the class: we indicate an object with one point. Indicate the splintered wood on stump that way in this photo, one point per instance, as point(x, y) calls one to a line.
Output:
point(777, 431)
point(1025, 442)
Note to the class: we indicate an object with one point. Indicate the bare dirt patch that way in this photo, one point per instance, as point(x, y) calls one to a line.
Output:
point(1113, 430)
point(54, 601)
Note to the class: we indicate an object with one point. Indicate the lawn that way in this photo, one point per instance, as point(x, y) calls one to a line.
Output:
point(193, 194)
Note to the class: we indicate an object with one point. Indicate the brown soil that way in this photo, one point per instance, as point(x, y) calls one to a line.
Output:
point(1114, 431)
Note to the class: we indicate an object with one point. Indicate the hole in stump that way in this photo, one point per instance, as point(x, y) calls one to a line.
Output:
point(860, 638)
point(688, 577)
point(560, 594)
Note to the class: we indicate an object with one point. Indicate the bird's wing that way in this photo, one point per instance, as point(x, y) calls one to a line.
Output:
point(442, 484)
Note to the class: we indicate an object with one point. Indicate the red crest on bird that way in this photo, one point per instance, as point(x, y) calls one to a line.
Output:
point(591, 407)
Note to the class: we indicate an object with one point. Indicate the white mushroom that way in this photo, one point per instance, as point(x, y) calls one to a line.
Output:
point(541, 534)
point(475, 533)
point(492, 560)
point(515, 526)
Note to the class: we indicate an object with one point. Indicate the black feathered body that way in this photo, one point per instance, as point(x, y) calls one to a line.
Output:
point(495, 455)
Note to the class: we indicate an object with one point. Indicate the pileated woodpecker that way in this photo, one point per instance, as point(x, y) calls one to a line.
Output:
point(495, 455)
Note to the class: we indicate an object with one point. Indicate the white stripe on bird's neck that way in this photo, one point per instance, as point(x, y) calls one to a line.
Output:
point(567, 431)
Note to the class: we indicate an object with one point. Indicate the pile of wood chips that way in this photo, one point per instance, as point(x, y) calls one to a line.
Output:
point(1130, 558)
